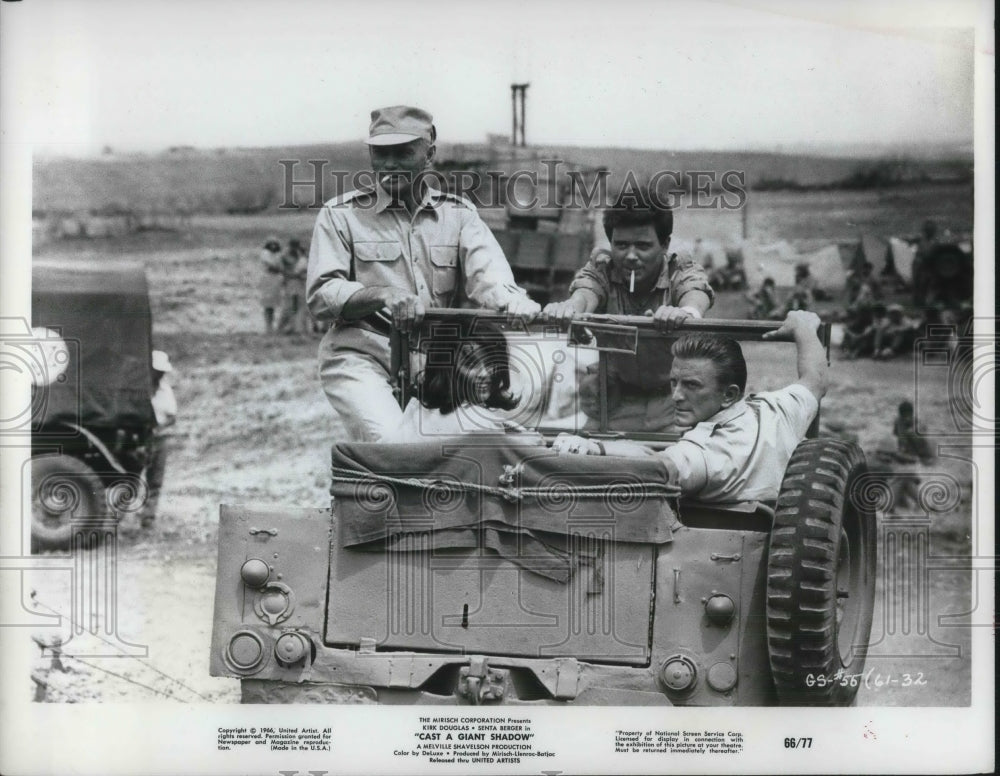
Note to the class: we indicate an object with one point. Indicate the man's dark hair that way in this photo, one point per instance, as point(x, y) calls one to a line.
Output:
point(452, 354)
point(724, 352)
point(640, 207)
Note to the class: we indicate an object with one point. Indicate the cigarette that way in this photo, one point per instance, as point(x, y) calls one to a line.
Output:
point(631, 282)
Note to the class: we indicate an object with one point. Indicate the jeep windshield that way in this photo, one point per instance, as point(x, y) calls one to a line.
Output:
point(599, 376)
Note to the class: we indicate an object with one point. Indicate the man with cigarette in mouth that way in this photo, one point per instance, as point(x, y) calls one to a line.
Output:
point(391, 252)
point(638, 276)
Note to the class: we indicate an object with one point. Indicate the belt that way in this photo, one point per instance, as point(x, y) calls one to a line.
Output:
point(376, 323)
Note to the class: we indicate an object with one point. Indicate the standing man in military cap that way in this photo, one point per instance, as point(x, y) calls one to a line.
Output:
point(399, 247)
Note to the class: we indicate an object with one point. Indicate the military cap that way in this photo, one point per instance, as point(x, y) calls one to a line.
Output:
point(400, 124)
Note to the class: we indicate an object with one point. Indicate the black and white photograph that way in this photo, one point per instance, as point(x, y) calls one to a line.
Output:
point(499, 388)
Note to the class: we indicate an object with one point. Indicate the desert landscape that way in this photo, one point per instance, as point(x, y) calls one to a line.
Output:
point(254, 427)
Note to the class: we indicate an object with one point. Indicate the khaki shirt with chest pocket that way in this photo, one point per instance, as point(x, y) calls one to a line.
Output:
point(442, 253)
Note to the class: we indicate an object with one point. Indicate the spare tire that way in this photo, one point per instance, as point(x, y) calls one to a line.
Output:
point(821, 569)
point(62, 487)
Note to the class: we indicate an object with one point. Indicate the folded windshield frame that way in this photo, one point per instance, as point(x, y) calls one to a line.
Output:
point(620, 334)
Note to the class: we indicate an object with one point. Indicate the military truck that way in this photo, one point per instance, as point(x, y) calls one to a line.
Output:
point(92, 415)
point(486, 569)
point(543, 227)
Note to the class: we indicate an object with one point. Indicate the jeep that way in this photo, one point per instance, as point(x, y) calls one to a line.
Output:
point(92, 415)
point(486, 569)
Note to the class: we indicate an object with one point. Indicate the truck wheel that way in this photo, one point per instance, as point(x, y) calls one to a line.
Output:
point(61, 487)
point(821, 568)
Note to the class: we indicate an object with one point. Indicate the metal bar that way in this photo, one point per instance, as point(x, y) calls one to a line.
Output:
point(513, 114)
point(399, 365)
point(406, 378)
point(745, 216)
point(824, 336)
point(524, 112)
point(395, 348)
point(750, 330)
point(602, 377)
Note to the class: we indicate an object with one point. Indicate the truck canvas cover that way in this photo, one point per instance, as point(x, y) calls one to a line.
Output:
point(491, 544)
point(101, 311)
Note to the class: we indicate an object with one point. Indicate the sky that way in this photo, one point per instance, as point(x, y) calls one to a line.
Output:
point(722, 75)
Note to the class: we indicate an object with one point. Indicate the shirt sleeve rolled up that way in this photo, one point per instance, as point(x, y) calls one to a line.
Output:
point(593, 277)
point(692, 469)
point(794, 406)
point(489, 280)
point(688, 275)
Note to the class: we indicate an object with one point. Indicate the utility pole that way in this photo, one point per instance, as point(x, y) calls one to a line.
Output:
point(517, 94)
point(745, 214)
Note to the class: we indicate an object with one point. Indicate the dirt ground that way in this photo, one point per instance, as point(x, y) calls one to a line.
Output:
point(254, 427)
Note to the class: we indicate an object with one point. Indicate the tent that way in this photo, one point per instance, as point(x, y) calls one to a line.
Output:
point(775, 261)
point(710, 253)
point(826, 266)
point(880, 255)
point(902, 257)
point(852, 253)
point(779, 259)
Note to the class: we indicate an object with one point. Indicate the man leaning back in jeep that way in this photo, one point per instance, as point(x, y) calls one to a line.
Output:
point(735, 449)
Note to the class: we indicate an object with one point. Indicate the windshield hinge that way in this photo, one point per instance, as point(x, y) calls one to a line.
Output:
point(478, 683)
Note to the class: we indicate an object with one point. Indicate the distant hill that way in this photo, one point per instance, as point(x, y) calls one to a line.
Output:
point(210, 181)
point(190, 180)
point(799, 169)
